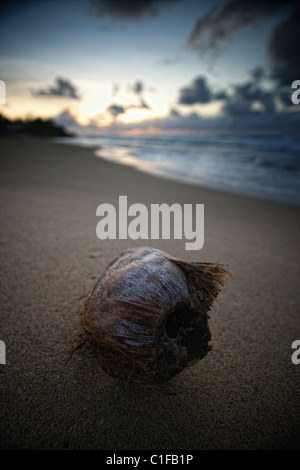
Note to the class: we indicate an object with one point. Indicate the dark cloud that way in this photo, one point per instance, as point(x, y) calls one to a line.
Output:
point(128, 10)
point(250, 97)
point(253, 97)
point(143, 105)
point(220, 95)
point(63, 88)
point(258, 73)
point(283, 93)
point(283, 49)
point(116, 109)
point(246, 96)
point(138, 87)
point(199, 92)
point(174, 112)
point(236, 107)
point(220, 24)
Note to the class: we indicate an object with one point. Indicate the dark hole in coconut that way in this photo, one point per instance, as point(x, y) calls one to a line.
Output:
point(178, 320)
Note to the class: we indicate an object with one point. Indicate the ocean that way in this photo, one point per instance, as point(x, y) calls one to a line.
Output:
point(257, 165)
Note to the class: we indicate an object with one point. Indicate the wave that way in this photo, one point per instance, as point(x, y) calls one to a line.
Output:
point(267, 166)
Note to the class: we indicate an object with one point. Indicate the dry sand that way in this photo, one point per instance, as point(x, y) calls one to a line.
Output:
point(243, 395)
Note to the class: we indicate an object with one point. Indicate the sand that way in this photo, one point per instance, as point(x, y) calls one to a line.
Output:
point(243, 395)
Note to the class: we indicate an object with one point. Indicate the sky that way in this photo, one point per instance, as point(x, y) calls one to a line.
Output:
point(151, 67)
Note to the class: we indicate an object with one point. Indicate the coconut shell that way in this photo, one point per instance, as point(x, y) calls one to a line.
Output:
point(147, 314)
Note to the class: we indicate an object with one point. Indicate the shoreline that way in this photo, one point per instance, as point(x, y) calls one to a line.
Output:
point(242, 395)
point(151, 169)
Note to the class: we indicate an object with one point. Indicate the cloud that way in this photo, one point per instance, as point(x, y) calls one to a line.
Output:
point(116, 109)
point(283, 93)
point(220, 24)
point(63, 88)
point(191, 124)
point(194, 124)
point(174, 112)
point(138, 87)
point(128, 10)
point(283, 49)
point(143, 105)
point(199, 92)
point(249, 97)
point(258, 73)
point(253, 98)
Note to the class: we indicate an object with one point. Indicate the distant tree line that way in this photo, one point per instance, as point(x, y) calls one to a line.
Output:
point(34, 127)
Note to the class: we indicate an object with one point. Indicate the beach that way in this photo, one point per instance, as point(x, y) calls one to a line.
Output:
point(243, 395)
